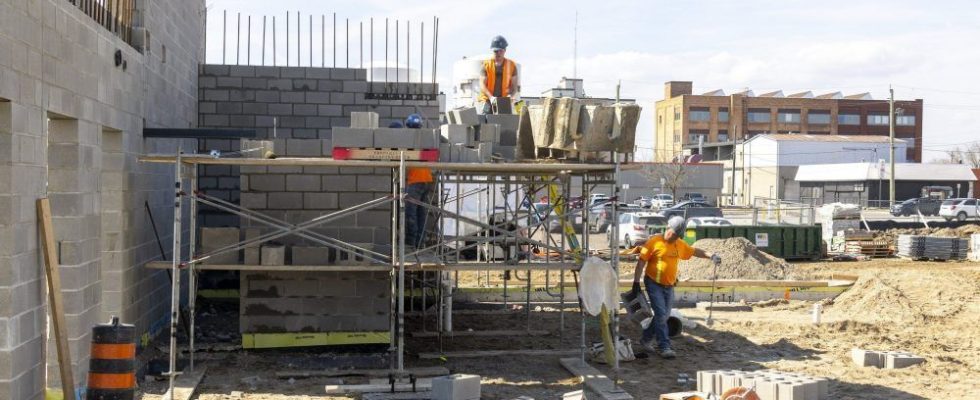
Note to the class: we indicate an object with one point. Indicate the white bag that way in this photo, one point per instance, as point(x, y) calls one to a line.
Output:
point(598, 286)
point(624, 347)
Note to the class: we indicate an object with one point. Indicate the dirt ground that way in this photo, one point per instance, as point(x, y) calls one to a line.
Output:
point(928, 308)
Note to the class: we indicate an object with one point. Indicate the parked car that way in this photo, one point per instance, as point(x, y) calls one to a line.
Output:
point(644, 201)
point(924, 205)
point(695, 196)
point(636, 227)
point(598, 198)
point(599, 215)
point(682, 209)
point(961, 209)
point(708, 221)
point(661, 201)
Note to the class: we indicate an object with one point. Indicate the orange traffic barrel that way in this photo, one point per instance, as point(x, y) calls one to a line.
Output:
point(112, 368)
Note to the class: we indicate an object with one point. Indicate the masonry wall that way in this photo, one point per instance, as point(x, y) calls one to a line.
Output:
point(71, 129)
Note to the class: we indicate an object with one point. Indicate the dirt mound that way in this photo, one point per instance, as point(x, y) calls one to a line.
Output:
point(961, 232)
point(740, 260)
point(901, 296)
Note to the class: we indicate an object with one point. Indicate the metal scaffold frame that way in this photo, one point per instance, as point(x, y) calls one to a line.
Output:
point(512, 225)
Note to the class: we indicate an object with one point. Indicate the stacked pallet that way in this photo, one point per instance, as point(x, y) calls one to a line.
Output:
point(870, 248)
point(932, 248)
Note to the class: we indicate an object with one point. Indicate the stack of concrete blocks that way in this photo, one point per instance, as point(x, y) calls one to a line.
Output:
point(768, 384)
point(456, 387)
point(296, 107)
point(385, 138)
point(71, 129)
point(467, 137)
point(281, 301)
point(507, 125)
point(885, 359)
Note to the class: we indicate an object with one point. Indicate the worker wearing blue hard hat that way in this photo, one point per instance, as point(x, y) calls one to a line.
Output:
point(498, 77)
point(418, 187)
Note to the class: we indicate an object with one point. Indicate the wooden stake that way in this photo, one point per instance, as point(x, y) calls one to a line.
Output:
point(53, 276)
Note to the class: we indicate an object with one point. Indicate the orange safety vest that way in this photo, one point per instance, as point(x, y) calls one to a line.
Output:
point(490, 67)
point(418, 175)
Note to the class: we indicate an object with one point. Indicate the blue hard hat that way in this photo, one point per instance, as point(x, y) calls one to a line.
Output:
point(498, 43)
point(395, 124)
point(413, 121)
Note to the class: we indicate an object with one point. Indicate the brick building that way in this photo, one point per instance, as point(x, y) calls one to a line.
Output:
point(711, 123)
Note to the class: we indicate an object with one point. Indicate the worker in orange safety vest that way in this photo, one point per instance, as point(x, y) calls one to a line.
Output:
point(498, 77)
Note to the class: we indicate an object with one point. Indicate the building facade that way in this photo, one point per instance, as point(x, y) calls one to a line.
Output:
point(711, 123)
point(867, 184)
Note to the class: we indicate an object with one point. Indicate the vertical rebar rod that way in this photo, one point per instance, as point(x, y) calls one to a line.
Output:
point(371, 52)
point(287, 38)
point(347, 40)
point(299, 40)
point(393, 306)
point(263, 40)
point(386, 53)
point(397, 66)
point(360, 36)
point(224, 35)
point(422, 53)
point(248, 42)
point(323, 40)
point(435, 52)
point(408, 50)
point(311, 40)
point(238, 40)
point(335, 40)
point(273, 40)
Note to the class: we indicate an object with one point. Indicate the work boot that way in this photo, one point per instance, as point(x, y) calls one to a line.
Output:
point(668, 353)
point(648, 345)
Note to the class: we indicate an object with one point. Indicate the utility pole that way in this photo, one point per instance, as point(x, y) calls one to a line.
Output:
point(891, 144)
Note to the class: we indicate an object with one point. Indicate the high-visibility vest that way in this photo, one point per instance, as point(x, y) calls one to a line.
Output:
point(418, 175)
point(490, 67)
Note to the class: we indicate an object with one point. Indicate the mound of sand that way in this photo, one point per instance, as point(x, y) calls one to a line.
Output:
point(901, 296)
point(740, 260)
point(963, 231)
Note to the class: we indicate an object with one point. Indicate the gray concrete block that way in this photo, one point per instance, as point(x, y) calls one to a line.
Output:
point(303, 183)
point(367, 120)
point(304, 147)
point(304, 84)
point(216, 238)
point(399, 138)
point(304, 110)
point(373, 183)
point(293, 72)
point(343, 74)
point(273, 254)
point(241, 70)
point(427, 139)
point(285, 201)
point(215, 120)
point(792, 390)
point(318, 97)
point(267, 96)
point(266, 72)
point(292, 97)
point(326, 85)
point(458, 134)
point(355, 86)
point(867, 358)
point(312, 255)
point(319, 201)
point(280, 109)
point(488, 133)
point(339, 183)
point(465, 116)
point(456, 387)
point(353, 137)
point(255, 108)
point(894, 360)
point(329, 110)
point(252, 253)
point(227, 82)
point(341, 98)
point(267, 182)
point(253, 200)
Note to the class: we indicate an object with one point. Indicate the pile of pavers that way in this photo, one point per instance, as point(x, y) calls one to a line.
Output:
point(885, 359)
point(919, 247)
point(767, 384)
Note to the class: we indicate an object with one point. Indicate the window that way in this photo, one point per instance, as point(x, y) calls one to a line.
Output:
point(788, 116)
point(818, 117)
point(849, 119)
point(699, 114)
point(723, 114)
point(753, 133)
point(905, 120)
point(758, 115)
point(723, 136)
point(694, 136)
point(677, 115)
point(877, 119)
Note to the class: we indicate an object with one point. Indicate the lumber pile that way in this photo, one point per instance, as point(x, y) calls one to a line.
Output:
point(918, 247)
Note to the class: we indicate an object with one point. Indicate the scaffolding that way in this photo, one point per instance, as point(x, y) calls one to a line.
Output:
point(513, 236)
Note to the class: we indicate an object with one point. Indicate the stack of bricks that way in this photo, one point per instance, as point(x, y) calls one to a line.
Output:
point(279, 302)
point(768, 384)
point(469, 137)
point(885, 359)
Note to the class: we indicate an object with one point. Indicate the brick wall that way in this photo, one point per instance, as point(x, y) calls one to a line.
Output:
point(71, 129)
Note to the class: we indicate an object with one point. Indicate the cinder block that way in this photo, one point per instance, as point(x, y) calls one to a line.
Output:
point(488, 133)
point(353, 137)
point(303, 183)
point(252, 253)
point(767, 388)
point(266, 182)
point(465, 116)
point(458, 134)
point(792, 390)
point(399, 138)
point(374, 183)
point(456, 387)
point(285, 201)
point(304, 148)
point(339, 183)
point(730, 380)
point(216, 238)
point(364, 119)
point(867, 358)
point(310, 255)
point(895, 360)
point(273, 254)
point(427, 139)
point(319, 201)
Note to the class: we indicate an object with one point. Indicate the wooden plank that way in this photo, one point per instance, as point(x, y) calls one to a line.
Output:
point(243, 267)
point(480, 333)
point(720, 283)
point(593, 379)
point(375, 388)
point(186, 384)
point(419, 371)
point(56, 305)
point(497, 353)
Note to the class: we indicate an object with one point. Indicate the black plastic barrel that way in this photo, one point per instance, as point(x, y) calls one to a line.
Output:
point(112, 368)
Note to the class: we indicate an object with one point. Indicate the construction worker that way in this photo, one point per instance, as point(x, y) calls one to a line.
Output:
point(658, 268)
point(498, 77)
point(418, 186)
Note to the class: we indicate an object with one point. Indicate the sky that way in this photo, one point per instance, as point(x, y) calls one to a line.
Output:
point(924, 50)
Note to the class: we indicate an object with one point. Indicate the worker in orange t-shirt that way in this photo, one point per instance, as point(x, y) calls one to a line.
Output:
point(658, 268)
point(418, 186)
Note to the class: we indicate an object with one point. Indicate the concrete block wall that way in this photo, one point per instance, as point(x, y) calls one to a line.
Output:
point(296, 106)
point(71, 129)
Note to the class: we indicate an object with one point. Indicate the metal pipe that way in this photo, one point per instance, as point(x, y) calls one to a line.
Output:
point(263, 40)
point(192, 274)
point(175, 273)
point(299, 40)
point(347, 39)
point(401, 264)
point(224, 35)
point(421, 52)
point(287, 38)
point(614, 314)
point(248, 42)
point(393, 304)
point(273, 40)
point(335, 40)
point(360, 37)
point(371, 52)
point(397, 66)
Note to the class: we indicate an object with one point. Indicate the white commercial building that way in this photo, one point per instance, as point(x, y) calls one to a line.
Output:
point(867, 183)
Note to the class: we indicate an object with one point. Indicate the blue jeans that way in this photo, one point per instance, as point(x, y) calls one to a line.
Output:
point(661, 300)
point(415, 214)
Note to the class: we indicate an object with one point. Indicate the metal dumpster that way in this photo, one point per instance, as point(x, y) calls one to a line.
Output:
point(790, 242)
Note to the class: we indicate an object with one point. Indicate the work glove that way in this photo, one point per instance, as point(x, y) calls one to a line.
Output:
point(636, 288)
point(716, 259)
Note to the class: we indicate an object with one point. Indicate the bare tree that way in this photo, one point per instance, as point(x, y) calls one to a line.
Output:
point(969, 155)
point(670, 175)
